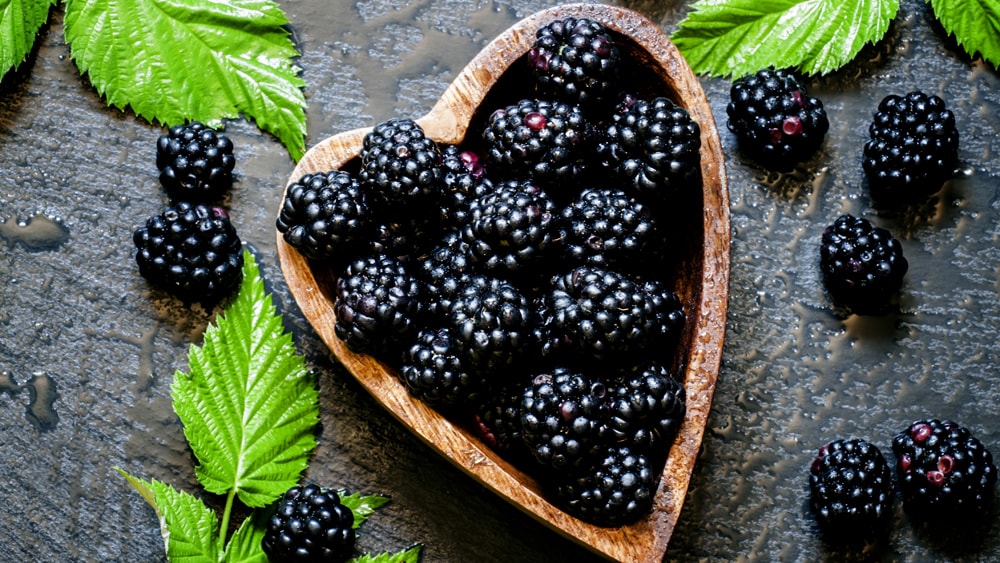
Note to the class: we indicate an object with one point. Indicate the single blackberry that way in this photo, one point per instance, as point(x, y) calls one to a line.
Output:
point(309, 524)
point(444, 268)
point(616, 490)
point(512, 229)
point(944, 471)
point(653, 146)
point(912, 147)
point(561, 415)
point(575, 60)
point(493, 323)
point(404, 233)
point(191, 250)
point(465, 181)
point(773, 118)
point(603, 315)
point(606, 227)
point(325, 214)
point(433, 370)
point(377, 305)
point(851, 489)
point(548, 142)
point(498, 418)
point(863, 265)
point(646, 408)
point(195, 162)
point(400, 165)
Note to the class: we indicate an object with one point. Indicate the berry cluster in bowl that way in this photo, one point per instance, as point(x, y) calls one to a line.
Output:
point(524, 281)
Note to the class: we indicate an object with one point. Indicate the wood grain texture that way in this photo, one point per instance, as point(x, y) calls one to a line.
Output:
point(701, 281)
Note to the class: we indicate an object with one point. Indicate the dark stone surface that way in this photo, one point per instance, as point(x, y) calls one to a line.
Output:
point(88, 350)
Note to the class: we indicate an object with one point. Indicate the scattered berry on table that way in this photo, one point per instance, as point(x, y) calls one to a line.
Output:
point(912, 147)
point(653, 146)
point(616, 490)
point(400, 165)
point(191, 250)
point(646, 407)
point(195, 162)
point(325, 215)
point(309, 524)
point(863, 265)
point(851, 489)
point(575, 60)
point(944, 471)
point(607, 227)
point(561, 416)
point(773, 118)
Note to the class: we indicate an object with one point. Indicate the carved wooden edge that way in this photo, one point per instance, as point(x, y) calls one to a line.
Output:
point(644, 541)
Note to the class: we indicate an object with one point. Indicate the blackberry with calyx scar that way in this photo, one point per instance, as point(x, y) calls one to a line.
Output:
point(195, 161)
point(309, 524)
point(851, 490)
point(863, 265)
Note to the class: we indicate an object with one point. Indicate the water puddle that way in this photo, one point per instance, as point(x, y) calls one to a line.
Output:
point(37, 233)
point(42, 394)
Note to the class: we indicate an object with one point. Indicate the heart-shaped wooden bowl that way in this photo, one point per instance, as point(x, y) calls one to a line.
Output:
point(701, 279)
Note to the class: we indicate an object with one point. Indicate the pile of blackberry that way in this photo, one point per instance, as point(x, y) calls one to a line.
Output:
point(507, 280)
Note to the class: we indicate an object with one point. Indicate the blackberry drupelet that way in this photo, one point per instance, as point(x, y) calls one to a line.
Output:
point(912, 147)
point(548, 142)
point(604, 315)
point(465, 181)
point(493, 323)
point(606, 227)
point(512, 229)
point(378, 305)
point(851, 490)
point(562, 412)
point(863, 265)
point(434, 372)
point(195, 162)
point(575, 60)
point(309, 524)
point(653, 146)
point(773, 118)
point(944, 471)
point(192, 251)
point(618, 489)
point(400, 165)
point(646, 407)
point(325, 215)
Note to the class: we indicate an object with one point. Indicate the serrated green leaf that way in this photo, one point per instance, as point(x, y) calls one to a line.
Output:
point(188, 526)
point(20, 21)
point(249, 405)
point(177, 60)
point(245, 545)
point(975, 25)
point(362, 506)
point(739, 37)
point(411, 555)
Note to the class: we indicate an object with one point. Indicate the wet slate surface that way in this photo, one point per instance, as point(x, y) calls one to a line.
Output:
point(88, 350)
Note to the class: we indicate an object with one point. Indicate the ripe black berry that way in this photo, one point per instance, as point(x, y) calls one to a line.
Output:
point(195, 162)
point(851, 485)
point(309, 524)
point(863, 265)
point(325, 214)
point(575, 60)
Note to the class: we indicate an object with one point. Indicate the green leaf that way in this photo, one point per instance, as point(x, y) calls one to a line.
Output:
point(249, 405)
point(362, 506)
point(739, 37)
point(411, 555)
point(20, 21)
point(177, 60)
point(975, 25)
point(188, 526)
point(245, 545)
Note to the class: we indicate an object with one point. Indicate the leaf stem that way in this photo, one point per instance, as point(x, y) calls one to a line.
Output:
point(224, 527)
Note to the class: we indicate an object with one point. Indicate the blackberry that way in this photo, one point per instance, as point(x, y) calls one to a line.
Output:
point(912, 147)
point(325, 214)
point(863, 265)
point(653, 146)
point(309, 524)
point(493, 323)
point(513, 228)
point(434, 372)
point(851, 489)
point(404, 233)
point(773, 118)
point(944, 471)
point(616, 490)
point(606, 227)
point(444, 268)
point(548, 142)
point(191, 250)
point(561, 415)
point(377, 305)
point(464, 181)
point(498, 418)
point(575, 60)
point(646, 409)
point(195, 162)
point(605, 316)
point(400, 165)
